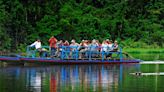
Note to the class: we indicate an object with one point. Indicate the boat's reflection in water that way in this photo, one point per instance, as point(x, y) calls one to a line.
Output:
point(64, 78)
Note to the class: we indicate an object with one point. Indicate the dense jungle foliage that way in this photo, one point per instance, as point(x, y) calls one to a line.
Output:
point(134, 23)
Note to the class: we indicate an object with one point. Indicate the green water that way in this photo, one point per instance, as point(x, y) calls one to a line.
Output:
point(84, 78)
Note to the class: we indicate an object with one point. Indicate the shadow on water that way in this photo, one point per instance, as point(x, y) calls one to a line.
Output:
point(79, 78)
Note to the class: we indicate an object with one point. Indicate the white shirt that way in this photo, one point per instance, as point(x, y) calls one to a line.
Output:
point(110, 47)
point(37, 44)
point(104, 47)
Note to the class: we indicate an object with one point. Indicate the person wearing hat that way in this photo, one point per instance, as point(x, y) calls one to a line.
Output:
point(73, 43)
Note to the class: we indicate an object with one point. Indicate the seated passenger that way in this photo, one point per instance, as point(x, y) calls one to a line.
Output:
point(110, 45)
point(59, 48)
point(73, 47)
point(82, 45)
point(66, 49)
point(115, 46)
point(93, 48)
point(104, 48)
point(66, 43)
point(82, 48)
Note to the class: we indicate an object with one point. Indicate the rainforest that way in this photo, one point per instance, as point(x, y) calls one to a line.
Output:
point(133, 23)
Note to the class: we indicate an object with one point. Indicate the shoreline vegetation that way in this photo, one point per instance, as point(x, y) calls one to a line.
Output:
point(143, 50)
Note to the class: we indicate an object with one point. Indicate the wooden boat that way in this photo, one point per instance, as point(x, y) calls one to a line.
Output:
point(66, 59)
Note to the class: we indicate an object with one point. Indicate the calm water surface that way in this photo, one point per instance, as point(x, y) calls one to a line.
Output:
point(81, 78)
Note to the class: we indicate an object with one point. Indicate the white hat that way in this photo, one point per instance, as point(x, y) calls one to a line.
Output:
point(93, 41)
point(73, 41)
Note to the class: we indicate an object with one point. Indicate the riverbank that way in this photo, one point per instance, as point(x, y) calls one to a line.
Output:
point(146, 54)
point(143, 50)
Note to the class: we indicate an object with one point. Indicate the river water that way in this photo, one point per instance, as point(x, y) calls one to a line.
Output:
point(81, 78)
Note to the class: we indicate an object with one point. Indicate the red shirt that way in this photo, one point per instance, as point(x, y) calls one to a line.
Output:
point(53, 42)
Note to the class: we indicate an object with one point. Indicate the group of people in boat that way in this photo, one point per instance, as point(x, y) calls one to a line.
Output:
point(94, 46)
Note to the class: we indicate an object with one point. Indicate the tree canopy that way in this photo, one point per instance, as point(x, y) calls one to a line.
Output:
point(129, 21)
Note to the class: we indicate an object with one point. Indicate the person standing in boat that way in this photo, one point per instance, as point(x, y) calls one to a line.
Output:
point(38, 46)
point(52, 45)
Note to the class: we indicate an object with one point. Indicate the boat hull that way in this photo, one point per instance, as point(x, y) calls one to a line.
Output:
point(65, 61)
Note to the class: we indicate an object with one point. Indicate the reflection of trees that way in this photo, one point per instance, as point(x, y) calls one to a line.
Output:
point(11, 79)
